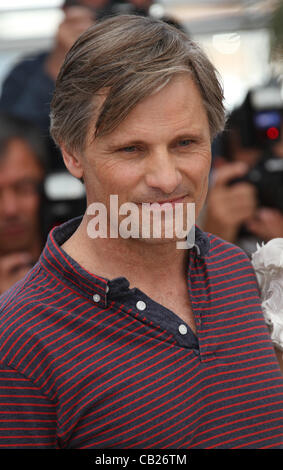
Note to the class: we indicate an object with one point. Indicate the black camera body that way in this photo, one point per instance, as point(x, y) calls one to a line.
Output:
point(267, 177)
point(259, 125)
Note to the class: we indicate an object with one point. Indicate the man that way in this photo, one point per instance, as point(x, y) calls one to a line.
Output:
point(117, 342)
point(22, 166)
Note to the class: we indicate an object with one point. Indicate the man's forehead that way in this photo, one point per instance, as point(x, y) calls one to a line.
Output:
point(179, 113)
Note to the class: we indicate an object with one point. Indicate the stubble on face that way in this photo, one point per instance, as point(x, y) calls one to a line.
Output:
point(128, 161)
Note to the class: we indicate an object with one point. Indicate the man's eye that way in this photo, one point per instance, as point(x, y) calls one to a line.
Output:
point(184, 142)
point(129, 149)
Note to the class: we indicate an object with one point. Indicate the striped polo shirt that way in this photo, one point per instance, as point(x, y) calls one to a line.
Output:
point(89, 363)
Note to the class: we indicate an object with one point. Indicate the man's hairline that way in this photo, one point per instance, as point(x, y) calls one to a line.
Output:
point(96, 111)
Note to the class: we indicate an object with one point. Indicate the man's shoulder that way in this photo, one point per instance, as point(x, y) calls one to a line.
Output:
point(228, 259)
point(27, 298)
point(25, 310)
point(224, 249)
point(19, 292)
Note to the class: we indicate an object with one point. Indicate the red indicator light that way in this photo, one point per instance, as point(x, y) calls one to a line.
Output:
point(272, 133)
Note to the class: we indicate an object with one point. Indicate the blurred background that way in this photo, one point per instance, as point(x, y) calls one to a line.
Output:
point(244, 40)
point(234, 33)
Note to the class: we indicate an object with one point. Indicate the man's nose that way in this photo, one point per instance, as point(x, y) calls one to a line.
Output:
point(163, 172)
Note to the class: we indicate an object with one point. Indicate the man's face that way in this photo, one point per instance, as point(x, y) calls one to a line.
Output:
point(160, 153)
point(20, 175)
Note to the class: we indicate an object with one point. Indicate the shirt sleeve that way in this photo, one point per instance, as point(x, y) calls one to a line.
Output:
point(27, 417)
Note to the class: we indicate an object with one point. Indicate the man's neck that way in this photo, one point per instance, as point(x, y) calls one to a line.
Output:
point(139, 261)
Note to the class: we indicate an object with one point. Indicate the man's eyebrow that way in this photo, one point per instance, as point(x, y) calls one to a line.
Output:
point(127, 142)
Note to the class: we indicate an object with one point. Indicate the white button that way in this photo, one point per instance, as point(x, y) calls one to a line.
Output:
point(107, 289)
point(96, 298)
point(183, 329)
point(141, 305)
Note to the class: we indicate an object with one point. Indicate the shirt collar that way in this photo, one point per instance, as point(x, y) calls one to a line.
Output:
point(202, 243)
point(57, 262)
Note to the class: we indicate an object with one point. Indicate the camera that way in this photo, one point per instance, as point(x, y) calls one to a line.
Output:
point(258, 125)
point(267, 177)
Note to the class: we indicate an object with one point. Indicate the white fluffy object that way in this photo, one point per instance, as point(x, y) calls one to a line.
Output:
point(268, 265)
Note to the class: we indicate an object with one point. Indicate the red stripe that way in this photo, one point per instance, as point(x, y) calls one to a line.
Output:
point(213, 284)
point(271, 446)
point(231, 248)
point(236, 421)
point(167, 409)
point(236, 332)
point(57, 357)
point(34, 294)
point(61, 254)
point(238, 255)
point(133, 385)
point(188, 426)
point(27, 429)
point(245, 435)
point(215, 307)
point(209, 345)
point(29, 320)
point(34, 335)
point(15, 420)
point(243, 268)
point(225, 290)
point(204, 423)
point(103, 384)
point(230, 318)
point(232, 294)
point(3, 412)
point(95, 362)
point(31, 444)
point(232, 325)
point(69, 277)
point(62, 281)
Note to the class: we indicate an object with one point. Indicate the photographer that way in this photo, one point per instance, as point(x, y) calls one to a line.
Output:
point(22, 167)
point(28, 88)
point(244, 200)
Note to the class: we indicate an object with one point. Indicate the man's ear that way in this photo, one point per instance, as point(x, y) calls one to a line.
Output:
point(73, 162)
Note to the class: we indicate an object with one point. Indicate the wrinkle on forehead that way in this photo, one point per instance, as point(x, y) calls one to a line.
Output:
point(194, 99)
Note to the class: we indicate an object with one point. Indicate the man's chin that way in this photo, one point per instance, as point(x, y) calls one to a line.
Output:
point(158, 241)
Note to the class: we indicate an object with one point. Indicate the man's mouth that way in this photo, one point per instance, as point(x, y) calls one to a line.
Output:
point(170, 202)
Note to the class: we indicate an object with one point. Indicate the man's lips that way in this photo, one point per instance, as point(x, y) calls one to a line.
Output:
point(172, 202)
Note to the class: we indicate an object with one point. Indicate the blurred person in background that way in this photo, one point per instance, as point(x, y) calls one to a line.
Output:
point(234, 211)
point(22, 167)
point(28, 88)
